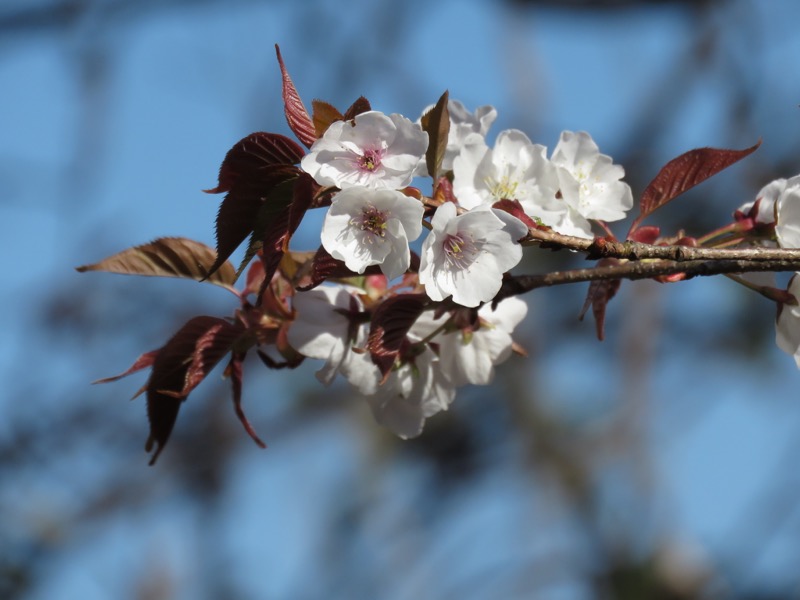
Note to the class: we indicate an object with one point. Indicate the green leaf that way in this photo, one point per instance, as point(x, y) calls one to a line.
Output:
point(436, 122)
point(168, 257)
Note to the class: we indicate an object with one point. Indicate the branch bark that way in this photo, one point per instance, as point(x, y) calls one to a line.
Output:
point(788, 260)
point(646, 261)
point(628, 250)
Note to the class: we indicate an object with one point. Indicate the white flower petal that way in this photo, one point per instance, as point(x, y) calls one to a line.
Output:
point(787, 227)
point(465, 256)
point(787, 325)
point(373, 150)
point(589, 180)
point(365, 227)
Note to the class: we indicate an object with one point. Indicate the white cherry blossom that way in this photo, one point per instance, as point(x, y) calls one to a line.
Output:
point(589, 183)
point(515, 169)
point(366, 227)
point(373, 150)
point(466, 255)
point(321, 330)
point(470, 356)
point(765, 201)
point(413, 392)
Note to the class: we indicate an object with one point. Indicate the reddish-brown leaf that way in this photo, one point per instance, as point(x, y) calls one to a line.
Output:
point(239, 211)
point(683, 173)
point(296, 114)
point(254, 155)
point(234, 371)
point(324, 115)
point(173, 367)
point(599, 295)
point(209, 349)
point(278, 220)
point(436, 122)
point(361, 105)
point(144, 361)
point(169, 257)
point(390, 324)
point(324, 266)
point(645, 235)
point(514, 208)
point(302, 198)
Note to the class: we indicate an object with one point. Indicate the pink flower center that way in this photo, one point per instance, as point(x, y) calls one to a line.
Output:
point(372, 220)
point(460, 250)
point(370, 160)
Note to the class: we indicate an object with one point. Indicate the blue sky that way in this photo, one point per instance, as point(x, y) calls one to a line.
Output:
point(87, 172)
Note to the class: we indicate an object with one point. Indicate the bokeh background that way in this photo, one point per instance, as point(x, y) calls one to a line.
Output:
point(660, 463)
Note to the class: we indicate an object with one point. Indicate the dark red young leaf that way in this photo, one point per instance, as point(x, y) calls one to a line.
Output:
point(144, 361)
point(324, 115)
point(234, 371)
point(514, 208)
point(361, 105)
point(240, 209)
point(254, 155)
point(278, 220)
point(599, 295)
point(324, 266)
point(303, 197)
point(272, 226)
point(173, 366)
point(683, 173)
point(645, 235)
point(390, 324)
point(296, 114)
point(209, 349)
point(436, 122)
point(169, 257)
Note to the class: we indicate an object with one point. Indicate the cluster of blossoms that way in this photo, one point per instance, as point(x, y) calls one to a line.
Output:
point(412, 295)
point(370, 162)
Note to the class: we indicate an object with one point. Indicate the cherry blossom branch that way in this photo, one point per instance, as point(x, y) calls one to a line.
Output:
point(635, 251)
point(633, 270)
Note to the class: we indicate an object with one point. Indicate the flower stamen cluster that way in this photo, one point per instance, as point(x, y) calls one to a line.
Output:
point(373, 221)
point(460, 250)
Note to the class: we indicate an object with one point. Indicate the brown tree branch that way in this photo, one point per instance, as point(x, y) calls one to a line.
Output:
point(634, 251)
point(519, 284)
